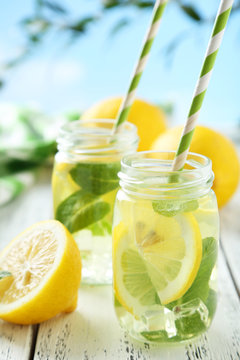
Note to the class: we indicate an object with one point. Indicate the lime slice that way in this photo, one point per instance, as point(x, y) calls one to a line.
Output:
point(156, 261)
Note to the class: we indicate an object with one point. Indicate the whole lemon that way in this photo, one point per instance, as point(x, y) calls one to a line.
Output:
point(149, 119)
point(218, 148)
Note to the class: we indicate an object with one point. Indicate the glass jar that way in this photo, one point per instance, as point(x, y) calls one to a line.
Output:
point(84, 185)
point(165, 241)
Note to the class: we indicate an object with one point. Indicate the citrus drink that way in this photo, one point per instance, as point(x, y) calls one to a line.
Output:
point(165, 241)
point(84, 185)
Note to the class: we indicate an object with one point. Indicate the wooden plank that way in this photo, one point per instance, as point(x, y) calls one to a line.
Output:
point(15, 341)
point(92, 332)
point(32, 206)
point(230, 236)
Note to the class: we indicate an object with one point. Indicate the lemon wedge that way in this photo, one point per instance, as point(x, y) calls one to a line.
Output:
point(45, 265)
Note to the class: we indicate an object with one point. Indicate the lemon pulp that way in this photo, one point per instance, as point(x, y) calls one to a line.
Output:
point(45, 265)
point(155, 260)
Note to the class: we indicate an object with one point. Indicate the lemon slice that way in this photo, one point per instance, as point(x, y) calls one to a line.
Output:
point(45, 265)
point(62, 183)
point(208, 220)
point(157, 261)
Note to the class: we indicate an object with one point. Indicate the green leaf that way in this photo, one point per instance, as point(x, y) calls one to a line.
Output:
point(42, 150)
point(173, 207)
point(167, 107)
point(119, 25)
point(144, 4)
point(55, 7)
point(80, 26)
point(96, 179)
point(101, 228)
point(13, 166)
point(73, 115)
point(1, 83)
point(108, 4)
point(80, 210)
point(200, 286)
point(189, 206)
point(192, 12)
point(4, 274)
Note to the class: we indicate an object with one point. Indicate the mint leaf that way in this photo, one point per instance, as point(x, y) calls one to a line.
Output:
point(166, 208)
point(200, 286)
point(101, 228)
point(4, 274)
point(96, 179)
point(211, 302)
point(193, 323)
point(173, 207)
point(81, 210)
point(189, 206)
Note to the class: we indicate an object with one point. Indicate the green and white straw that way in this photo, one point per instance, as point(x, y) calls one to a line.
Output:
point(202, 84)
point(150, 36)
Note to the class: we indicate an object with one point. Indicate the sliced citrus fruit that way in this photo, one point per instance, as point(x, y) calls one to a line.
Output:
point(207, 217)
point(45, 265)
point(132, 284)
point(6, 279)
point(157, 261)
point(62, 183)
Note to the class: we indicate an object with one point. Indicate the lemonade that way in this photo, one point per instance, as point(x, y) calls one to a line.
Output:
point(84, 185)
point(165, 241)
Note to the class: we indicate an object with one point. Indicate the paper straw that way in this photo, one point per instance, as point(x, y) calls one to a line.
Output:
point(202, 84)
point(150, 36)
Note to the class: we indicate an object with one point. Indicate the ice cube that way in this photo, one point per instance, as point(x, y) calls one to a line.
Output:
point(192, 316)
point(158, 318)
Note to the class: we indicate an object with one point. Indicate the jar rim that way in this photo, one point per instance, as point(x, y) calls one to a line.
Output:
point(96, 136)
point(75, 127)
point(206, 162)
point(150, 173)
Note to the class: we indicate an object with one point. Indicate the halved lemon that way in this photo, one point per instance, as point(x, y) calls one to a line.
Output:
point(45, 265)
point(6, 279)
point(156, 261)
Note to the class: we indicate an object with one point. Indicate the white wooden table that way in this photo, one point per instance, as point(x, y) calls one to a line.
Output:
point(92, 331)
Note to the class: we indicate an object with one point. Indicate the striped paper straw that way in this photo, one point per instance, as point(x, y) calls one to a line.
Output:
point(202, 84)
point(150, 36)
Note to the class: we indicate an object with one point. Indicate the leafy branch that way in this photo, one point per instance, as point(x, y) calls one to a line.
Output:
point(51, 16)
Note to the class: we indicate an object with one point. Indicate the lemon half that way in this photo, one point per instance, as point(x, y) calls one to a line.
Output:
point(45, 264)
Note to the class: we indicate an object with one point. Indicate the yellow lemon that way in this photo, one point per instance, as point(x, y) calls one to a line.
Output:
point(6, 279)
point(45, 264)
point(158, 263)
point(218, 148)
point(62, 183)
point(149, 119)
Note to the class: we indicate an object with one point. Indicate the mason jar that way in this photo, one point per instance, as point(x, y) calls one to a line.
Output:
point(84, 186)
point(165, 243)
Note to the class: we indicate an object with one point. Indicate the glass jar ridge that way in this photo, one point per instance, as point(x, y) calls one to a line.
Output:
point(95, 137)
point(165, 245)
point(149, 174)
point(84, 184)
